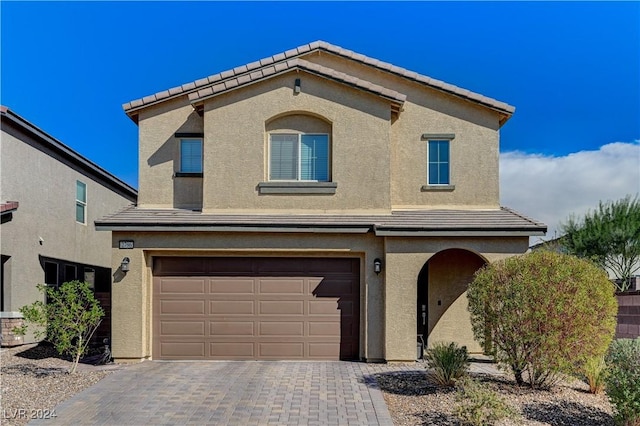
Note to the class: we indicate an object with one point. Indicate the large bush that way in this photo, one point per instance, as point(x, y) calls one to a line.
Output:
point(543, 314)
point(623, 380)
point(69, 318)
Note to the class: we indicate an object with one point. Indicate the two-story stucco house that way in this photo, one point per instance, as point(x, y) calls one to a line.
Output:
point(51, 195)
point(315, 204)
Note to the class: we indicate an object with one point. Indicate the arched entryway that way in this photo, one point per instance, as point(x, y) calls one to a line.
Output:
point(442, 313)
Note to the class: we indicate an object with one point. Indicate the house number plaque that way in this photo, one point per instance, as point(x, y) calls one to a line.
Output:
point(126, 244)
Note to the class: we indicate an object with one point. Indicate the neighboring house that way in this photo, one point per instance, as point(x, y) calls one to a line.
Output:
point(316, 204)
point(51, 196)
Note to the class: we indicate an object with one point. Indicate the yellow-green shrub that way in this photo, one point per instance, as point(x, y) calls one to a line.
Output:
point(543, 314)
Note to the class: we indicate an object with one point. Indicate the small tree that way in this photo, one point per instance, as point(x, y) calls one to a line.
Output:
point(610, 236)
point(543, 314)
point(69, 318)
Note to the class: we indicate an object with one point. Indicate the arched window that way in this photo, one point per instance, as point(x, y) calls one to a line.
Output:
point(299, 148)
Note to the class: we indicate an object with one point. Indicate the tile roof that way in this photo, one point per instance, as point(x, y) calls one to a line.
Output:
point(222, 85)
point(501, 221)
point(273, 61)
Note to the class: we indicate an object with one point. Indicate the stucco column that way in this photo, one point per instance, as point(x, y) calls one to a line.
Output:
point(129, 305)
point(401, 279)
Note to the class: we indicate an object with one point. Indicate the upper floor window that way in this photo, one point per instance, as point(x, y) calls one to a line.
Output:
point(190, 156)
point(438, 163)
point(299, 157)
point(81, 202)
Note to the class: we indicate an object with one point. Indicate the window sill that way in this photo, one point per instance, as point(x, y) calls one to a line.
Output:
point(183, 174)
point(297, 188)
point(436, 188)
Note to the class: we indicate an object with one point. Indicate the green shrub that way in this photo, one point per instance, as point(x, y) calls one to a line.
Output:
point(623, 380)
point(448, 362)
point(542, 314)
point(70, 317)
point(594, 371)
point(478, 405)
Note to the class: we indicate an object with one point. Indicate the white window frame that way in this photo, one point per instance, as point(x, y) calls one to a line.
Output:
point(81, 203)
point(201, 140)
point(299, 168)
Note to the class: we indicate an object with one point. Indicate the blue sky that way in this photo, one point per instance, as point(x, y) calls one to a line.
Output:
point(571, 69)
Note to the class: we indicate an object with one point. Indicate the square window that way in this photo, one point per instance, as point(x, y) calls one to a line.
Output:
point(81, 202)
point(190, 155)
point(438, 164)
point(299, 157)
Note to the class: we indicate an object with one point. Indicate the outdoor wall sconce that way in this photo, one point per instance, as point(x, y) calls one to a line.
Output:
point(124, 266)
point(296, 88)
point(377, 266)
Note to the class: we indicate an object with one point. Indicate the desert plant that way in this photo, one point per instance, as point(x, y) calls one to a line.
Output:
point(69, 318)
point(478, 405)
point(448, 362)
point(594, 371)
point(542, 314)
point(623, 380)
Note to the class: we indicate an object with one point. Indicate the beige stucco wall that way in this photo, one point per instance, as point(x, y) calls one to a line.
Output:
point(475, 146)
point(132, 292)
point(236, 145)
point(403, 262)
point(46, 191)
point(159, 153)
point(379, 163)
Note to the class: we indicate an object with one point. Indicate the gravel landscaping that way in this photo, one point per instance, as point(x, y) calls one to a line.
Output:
point(34, 380)
point(413, 399)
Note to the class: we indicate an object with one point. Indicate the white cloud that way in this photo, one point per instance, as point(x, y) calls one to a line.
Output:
point(550, 189)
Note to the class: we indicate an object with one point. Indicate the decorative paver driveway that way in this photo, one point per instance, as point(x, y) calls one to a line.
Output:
point(236, 393)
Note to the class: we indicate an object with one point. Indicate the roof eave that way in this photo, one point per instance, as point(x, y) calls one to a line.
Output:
point(421, 232)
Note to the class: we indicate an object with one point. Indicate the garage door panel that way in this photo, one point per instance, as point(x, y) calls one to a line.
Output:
point(179, 307)
point(182, 286)
point(231, 286)
point(231, 328)
point(280, 266)
point(230, 265)
point(276, 307)
point(324, 328)
point(257, 308)
point(279, 328)
point(182, 328)
point(323, 307)
point(323, 350)
point(232, 307)
point(275, 350)
point(182, 349)
point(281, 286)
point(332, 287)
point(230, 350)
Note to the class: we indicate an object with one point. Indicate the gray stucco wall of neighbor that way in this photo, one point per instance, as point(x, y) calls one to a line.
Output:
point(45, 222)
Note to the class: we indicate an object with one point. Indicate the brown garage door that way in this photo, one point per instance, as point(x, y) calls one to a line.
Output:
point(255, 308)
